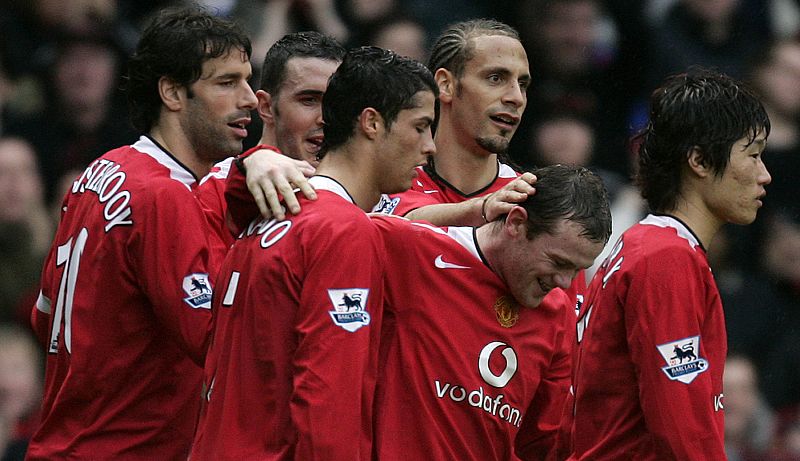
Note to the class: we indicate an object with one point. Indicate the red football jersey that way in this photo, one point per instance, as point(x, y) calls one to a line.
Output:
point(124, 312)
point(652, 347)
point(292, 366)
point(211, 193)
point(454, 383)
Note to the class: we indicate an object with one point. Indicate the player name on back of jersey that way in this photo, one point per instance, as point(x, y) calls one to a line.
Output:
point(270, 230)
point(103, 178)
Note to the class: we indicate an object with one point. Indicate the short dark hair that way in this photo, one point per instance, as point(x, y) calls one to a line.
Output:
point(296, 45)
point(175, 44)
point(572, 193)
point(702, 109)
point(453, 48)
point(370, 77)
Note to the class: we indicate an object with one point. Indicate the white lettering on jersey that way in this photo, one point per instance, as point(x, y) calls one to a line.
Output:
point(583, 323)
point(270, 230)
point(617, 263)
point(480, 399)
point(718, 404)
point(102, 178)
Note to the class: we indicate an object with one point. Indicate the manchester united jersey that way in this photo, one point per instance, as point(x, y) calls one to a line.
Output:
point(652, 347)
point(292, 366)
point(455, 383)
point(124, 311)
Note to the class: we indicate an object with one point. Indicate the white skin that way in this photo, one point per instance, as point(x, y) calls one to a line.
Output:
point(708, 201)
point(293, 116)
point(533, 267)
point(383, 159)
point(207, 122)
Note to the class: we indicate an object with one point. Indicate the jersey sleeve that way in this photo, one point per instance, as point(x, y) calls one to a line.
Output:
point(403, 203)
point(538, 434)
point(665, 309)
point(338, 326)
point(170, 256)
point(211, 194)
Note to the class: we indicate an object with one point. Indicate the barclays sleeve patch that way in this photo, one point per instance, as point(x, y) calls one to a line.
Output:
point(198, 291)
point(683, 360)
point(349, 307)
point(386, 205)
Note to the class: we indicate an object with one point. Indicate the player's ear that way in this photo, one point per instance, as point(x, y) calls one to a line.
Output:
point(371, 122)
point(171, 93)
point(447, 84)
point(516, 223)
point(697, 164)
point(265, 107)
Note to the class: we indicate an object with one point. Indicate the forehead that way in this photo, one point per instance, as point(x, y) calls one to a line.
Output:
point(744, 146)
point(497, 51)
point(308, 72)
point(234, 62)
point(568, 245)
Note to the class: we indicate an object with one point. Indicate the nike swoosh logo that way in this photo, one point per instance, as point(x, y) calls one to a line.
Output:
point(430, 191)
point(442, 264)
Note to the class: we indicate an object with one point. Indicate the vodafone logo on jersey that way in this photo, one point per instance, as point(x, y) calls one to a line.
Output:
point(480, 398)
point(511, 364)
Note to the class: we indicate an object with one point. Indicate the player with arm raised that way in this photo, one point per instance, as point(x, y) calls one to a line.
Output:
point(292, 367)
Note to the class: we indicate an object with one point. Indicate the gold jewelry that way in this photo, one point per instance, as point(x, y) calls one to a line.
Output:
point(507, 311)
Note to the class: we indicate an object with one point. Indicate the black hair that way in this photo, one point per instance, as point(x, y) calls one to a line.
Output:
point(370, 77)
point(701, 109)
point(296, 45)
point(175, 44)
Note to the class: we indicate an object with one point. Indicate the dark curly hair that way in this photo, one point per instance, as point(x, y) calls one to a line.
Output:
point(175, 44)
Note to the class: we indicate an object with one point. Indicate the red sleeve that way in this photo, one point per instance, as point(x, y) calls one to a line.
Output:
point(402, 204)
point(536, 439)
point(242, 207)
point(665, 307)
point(336, 357)
point(171, 257)
point(211, 194)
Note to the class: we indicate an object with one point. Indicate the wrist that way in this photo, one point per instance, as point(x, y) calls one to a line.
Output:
point(239, 160)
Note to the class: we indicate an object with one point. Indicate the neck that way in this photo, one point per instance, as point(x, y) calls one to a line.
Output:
point(698, 218)
point(176, 144)
point(467, 168)
point(486, 240)
point(355, 173)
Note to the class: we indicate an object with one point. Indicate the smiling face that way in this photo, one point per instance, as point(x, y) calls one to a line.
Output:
point(736, 195)
point(294, 114)
point(218, 107)
point(533, 267)
point(489, 98)
point(407, 144)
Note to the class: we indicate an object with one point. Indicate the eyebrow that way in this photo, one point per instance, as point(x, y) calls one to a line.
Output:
point(309, 92)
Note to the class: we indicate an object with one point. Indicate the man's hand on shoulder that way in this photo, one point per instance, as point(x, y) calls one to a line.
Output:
point(272, 176)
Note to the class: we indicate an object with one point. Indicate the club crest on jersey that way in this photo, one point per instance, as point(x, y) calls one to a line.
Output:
point(198, 290)
point(683, 360)
point(349, 306)
point(386, 205)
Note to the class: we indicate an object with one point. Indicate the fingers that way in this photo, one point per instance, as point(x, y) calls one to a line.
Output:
point(272, 177)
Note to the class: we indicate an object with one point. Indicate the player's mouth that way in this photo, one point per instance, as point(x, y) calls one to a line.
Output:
point(760, 199)
point(240, 127)
point(505, 120)
point(316, 142)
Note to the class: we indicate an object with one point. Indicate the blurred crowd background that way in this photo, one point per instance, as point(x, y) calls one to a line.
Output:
point(593, 64)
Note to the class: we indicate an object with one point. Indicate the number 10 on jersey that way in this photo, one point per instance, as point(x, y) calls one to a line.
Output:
point(69, 256)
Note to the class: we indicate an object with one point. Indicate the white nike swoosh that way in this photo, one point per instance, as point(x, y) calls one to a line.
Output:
point(442, 264)
point(430, 191)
